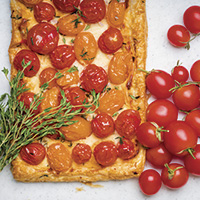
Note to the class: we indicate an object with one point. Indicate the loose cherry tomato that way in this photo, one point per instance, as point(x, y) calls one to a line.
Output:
point(81, 153)
point(174, 175)
point(105, 153)
point(178, 36)
point(66, 5)
point(186, 97)
point(159, 83)
point(110, 40)
point(62, 56)
point(44, 11)
point(193, 119)
point(102, 125)
point(195, 71)
point(158, 156)
point(162, 112)
point(94, 77)
point(193, 165)
point(93, 11)
point(180, 139)
point(127, 123)
point(22, 58)
point(42, 38)
point(191, 19)
point(150, 182)
point(33, 153)
point(180, 73)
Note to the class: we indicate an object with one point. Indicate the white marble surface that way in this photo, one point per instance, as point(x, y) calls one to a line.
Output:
point(161, 15)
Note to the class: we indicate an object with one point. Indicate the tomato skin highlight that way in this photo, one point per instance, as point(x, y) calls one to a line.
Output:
point(195, 71)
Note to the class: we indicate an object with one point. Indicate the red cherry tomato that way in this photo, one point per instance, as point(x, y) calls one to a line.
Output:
point(44, 11)
point(110, 41)
point(105, 153)
point(127, 123)
point(81, 153)
point(178, 36)
point(103, 125)
point(193, 165)
point(33, 153)
point(149, 134)
point(195, 71)
point(174, 176)
point(162, 112)
point(158, 156)
point(93, 11)
point(180, 74)
point(94, 77)
point(180, 138)
point(191, 19)
point(62, 56)
point(53, 136)
point(22, 58)
point(42, 38)
point(150, 182)
point(66, 5)
point(193, 119)
point(159, 83)
point(186, 97)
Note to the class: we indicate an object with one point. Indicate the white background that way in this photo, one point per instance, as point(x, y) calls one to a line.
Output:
point(161, 15)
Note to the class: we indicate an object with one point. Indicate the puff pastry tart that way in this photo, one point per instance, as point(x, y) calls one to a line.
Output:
point(97, 45)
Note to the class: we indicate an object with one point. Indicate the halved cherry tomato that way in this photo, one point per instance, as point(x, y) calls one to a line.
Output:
point(66, 5)
point(44, 12)
point(33, 153)
point(62, 56)
point(180, 74)
point(195, 71)
point(102, 125)
point(22, 58)
point(110, 40)
point(42, 38)
point(81, 153)
point(93, 11)
point(105, 153)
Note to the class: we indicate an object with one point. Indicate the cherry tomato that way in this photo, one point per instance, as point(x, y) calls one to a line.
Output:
point(174, 175)
point(93, 11)
point(105, 153)
point(180, 74)
point(150, 182)
point(162, 112)
point(42, 38)
point(178, 36)
point(195, 71)
point(127, 123)
point(62, 56)
point(158, 156)
point(66, 5)
point(126, 149)
point(33, 153)
point(159, 83)
point(94, 77)
point(191, 19)
point(193, 165)
point(149, 134)
point(53, 136)
point(44, 11)
point(193, 119)
point(102, 125)
point(186, 97)
point(22, 58)
point(110, 40)
point(81, 153)
point(180, 138)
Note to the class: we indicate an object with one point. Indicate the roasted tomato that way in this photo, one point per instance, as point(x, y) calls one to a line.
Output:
point(105, 153)
point(59, 157)
point(44, 12)
point(30, 3)
point(127, 123)
point(110, 41)
point(33, 153)
point(94, 77)
point(22, 58)
point(81, 153)
point(42, 38)
point(62, 56)
point(66, 5)
point(93, 11)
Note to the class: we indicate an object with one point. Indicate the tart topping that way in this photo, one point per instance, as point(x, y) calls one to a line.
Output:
point(66, 5)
